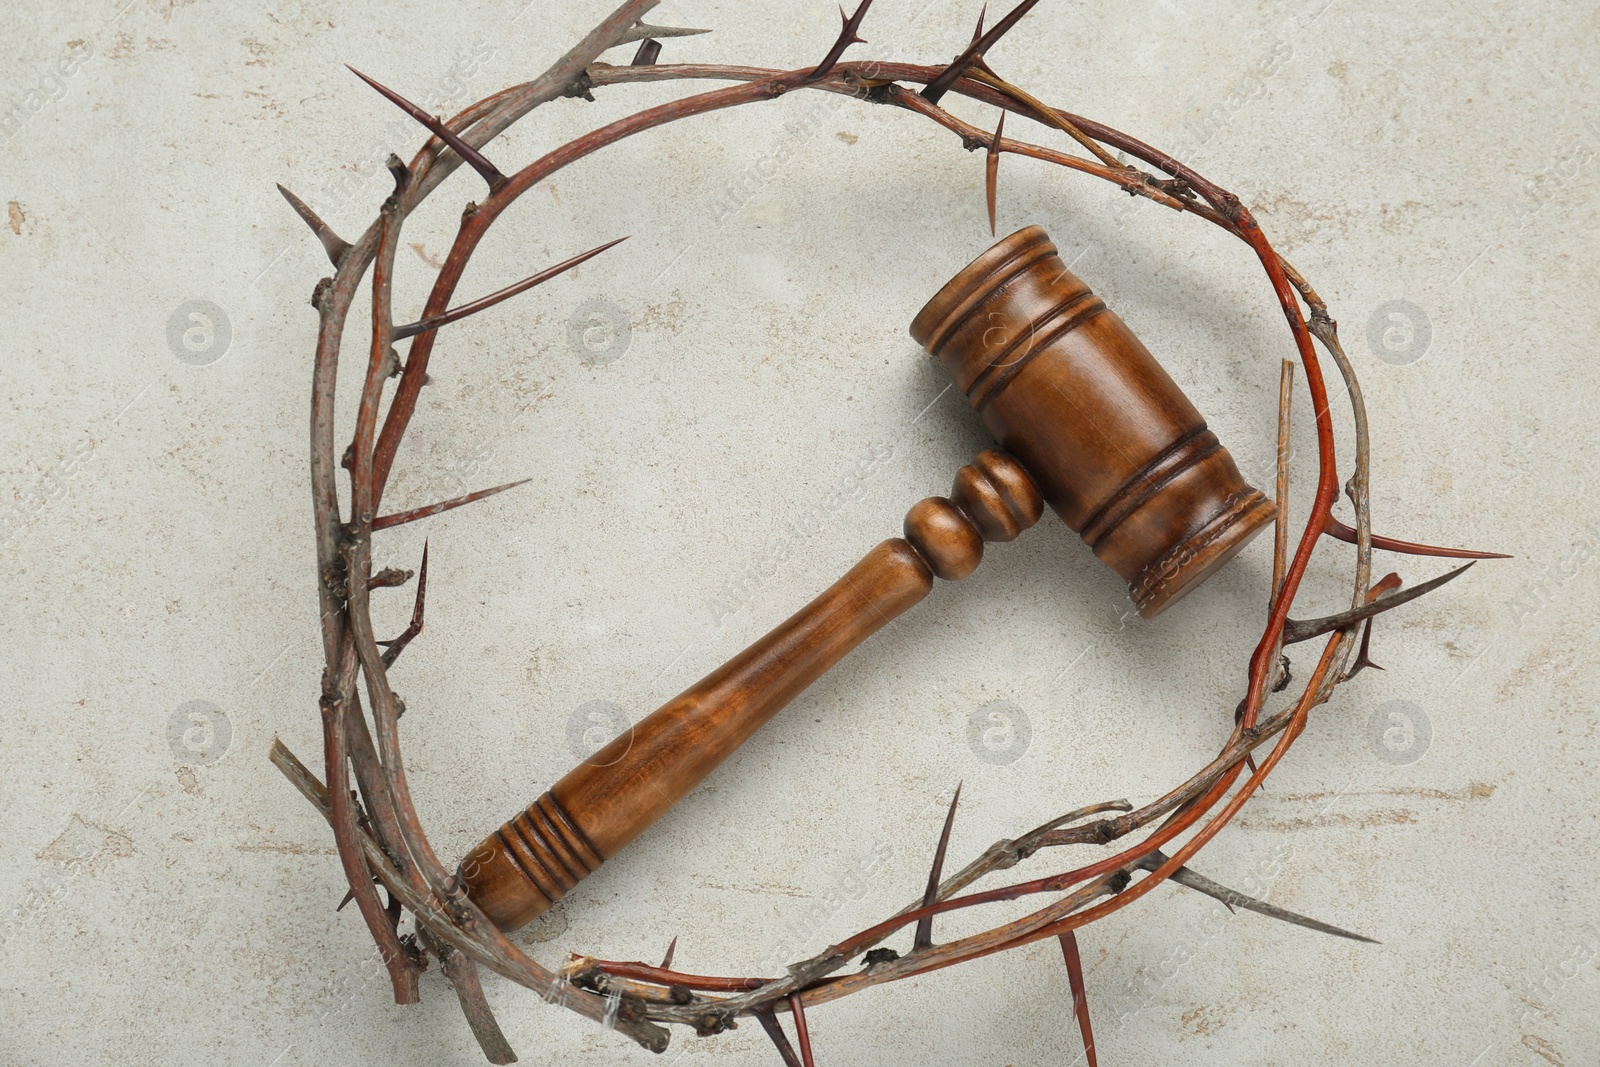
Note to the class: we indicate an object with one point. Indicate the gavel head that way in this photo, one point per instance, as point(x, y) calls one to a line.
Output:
point(1115, 447)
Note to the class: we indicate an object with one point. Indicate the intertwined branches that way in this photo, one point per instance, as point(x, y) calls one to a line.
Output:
point(380, 839)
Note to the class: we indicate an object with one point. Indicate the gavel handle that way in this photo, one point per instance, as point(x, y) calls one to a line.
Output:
point(532, 861)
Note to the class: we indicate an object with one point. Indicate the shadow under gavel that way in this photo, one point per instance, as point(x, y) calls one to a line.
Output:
point(1090, 424)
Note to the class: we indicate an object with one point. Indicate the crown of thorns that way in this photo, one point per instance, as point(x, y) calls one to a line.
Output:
point(380, 839)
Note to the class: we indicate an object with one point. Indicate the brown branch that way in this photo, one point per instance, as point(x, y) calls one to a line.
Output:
point(488, 947)
point(1280, 539)
point(463, 976)
point(779, 1039)
point(802, 1032)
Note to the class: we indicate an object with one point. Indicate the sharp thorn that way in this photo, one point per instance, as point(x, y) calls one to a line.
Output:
point(1184, 876)
point(401, 518)
point(847, 37)
point(332, 243)
point(924, 935)
point(666, 961)
point(797, 1006)
point(991, 168)
point(977, 34)
point(435, 321)
point(974, 52)
point(1334, 528)
point(1295, 631)
point(649, 51)
point(472, 156)
point(348, 897)
point(1080, 993)
point(422, 587)
point(779, 1038)
point(640, 31)
point(1363, 658)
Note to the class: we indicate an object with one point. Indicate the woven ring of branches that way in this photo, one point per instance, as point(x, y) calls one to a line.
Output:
point(380, 839)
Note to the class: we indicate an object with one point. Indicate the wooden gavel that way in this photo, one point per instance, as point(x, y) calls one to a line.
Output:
point(1090, 423)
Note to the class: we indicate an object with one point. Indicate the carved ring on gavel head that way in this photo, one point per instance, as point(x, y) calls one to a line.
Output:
point(1091, 425)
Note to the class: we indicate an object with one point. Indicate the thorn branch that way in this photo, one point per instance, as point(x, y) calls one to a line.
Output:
point(974, 52)
point(991, 168)
point(455, 314)
point(1080, 994)
point(1184, 876)
point(924, 935)
point(641, 31)
point(401, 518)
point(414, 628)
point(847, 37)
point(332, 243)
point(1297, 630)
point(472, 156)
point(1334, 528)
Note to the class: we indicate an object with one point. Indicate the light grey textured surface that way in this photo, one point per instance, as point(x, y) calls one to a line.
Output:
point(166, 897)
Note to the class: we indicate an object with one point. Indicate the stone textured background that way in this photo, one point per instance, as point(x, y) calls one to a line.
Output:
point(742, 363)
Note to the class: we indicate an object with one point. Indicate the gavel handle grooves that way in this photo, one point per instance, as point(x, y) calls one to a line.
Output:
point(532, 861)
